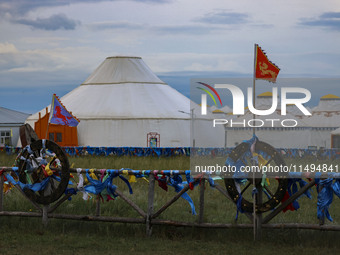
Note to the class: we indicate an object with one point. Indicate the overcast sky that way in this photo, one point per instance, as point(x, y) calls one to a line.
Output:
point(51, 46)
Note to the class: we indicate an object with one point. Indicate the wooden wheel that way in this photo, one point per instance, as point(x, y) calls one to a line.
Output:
point(44, 163)
point(272, 194)
point(27, 135)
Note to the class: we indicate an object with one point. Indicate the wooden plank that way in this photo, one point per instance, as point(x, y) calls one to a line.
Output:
point(202, 225)
point(288, 201)
point(175, 223)
point(171, 201)
point(225, 193)
point(258, 229)
point(2, 181)
point(201, 209)
point(60, 201)
point(98, 206)
point(45, 215)
point(76, 217)
point(36, 205)
point(151, 196)
point(132, 204)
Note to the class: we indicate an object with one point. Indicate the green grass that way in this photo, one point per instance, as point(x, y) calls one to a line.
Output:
point(28, 236)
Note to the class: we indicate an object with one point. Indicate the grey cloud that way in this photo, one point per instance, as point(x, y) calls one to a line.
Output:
point(21, 7)
point(329, 20)
point(55, 22)
point(115, 25)
point(176, 29)
point(224, 17)
point(16, 10)
point(183, 29)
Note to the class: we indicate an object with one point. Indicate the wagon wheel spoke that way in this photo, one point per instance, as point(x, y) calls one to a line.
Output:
point(246, 164)
point(274, 193)
point(245, 188)
point(268, 190)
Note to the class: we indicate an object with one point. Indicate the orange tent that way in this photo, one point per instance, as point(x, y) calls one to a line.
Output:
point(62, 135)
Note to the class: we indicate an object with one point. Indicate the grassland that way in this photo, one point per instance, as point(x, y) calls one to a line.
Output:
point(28, 236)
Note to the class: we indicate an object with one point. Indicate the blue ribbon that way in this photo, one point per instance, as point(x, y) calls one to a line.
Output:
point(34, 187)
point(96, 186)
point(178, 185)
point(325, 198)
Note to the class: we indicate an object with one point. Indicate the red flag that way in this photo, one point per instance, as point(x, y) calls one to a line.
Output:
point(264, 68)
point(59, 115)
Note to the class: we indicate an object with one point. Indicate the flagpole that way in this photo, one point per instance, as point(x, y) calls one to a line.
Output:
point(254, 183)
point(48, 124)
point(50, 116)
point(254, 78)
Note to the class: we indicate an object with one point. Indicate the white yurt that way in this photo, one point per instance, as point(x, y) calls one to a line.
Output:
point(325, 119)
point(335, 138)
point(328, 103)
point(274, 129)
point(123, 103)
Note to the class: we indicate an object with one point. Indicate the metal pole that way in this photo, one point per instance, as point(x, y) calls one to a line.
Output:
point(254, 183)
point(192, 127)
point(254, 78)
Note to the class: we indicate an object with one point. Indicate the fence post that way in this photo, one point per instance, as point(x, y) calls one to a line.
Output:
point(201, 212)
point(258, 226)
point(151, 195)
point(2, 192)
point(45, 215)
point(98, 206)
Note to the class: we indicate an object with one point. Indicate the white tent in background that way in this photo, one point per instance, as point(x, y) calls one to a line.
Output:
point(264, 101)
point(212, 108)
point(325, 119)
point(122, 101)
point(226, 109)
point(328, 103)
point(271, 130)
point(335, 138)
point(277, 136)
point(311, 131)
point(293, 110)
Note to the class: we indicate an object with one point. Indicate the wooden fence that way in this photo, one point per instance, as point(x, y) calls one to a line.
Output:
point(150, 216)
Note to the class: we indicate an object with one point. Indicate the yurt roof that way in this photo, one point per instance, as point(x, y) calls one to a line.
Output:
point(212, 108)
point(329, 97)
point(226, 109)
point(217, 111)
point(265, 94)
point(336, 132)
point(328, 103)
point(122, 69)
point(125, 88)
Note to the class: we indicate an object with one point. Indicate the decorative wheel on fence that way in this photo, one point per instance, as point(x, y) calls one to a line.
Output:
point(273, 192)
point(45, 168)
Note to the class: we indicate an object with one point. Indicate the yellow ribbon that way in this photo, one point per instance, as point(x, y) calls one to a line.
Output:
point(48, 169)
point(92, 174)
point(262, 162)
point(132, 177)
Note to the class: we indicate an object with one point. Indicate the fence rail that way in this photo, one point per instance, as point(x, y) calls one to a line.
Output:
point(180, 151)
